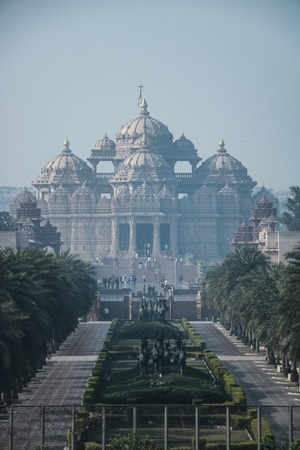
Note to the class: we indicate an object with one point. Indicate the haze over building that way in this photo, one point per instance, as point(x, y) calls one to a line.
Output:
point(144, 206)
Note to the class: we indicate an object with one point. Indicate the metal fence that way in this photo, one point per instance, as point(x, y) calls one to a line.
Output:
point(170, 426)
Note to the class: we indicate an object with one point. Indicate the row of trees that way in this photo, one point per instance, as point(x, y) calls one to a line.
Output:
point(260, 301)
point(291, 217)
point(41, 298)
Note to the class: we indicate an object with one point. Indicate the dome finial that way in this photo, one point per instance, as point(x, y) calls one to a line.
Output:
point(222, 148)
point(66, 143)
point(144, 105)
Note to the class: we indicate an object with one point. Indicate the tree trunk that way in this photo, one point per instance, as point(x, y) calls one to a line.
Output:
point(271, 358)
point(294, 373)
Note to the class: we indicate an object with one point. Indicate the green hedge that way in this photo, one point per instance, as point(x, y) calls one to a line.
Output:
point(225, 378)
point(209, 415)
point(266, 431)
point(193, 335)
point(247, 445)
point(92, 446)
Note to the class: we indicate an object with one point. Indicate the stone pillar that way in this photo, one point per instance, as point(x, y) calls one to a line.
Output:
point(174, 236)
point(132, 237)
point(194, 167)
point(199, 306)
point(114, 237)
point(156, 238)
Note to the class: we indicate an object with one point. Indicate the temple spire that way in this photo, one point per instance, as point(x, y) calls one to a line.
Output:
point(140, 97)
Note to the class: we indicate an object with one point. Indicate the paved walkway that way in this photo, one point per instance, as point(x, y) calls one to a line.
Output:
point(62, 381)
point(58, 386)
point(263, 385)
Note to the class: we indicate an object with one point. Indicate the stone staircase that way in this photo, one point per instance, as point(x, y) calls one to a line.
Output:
point(164, 268)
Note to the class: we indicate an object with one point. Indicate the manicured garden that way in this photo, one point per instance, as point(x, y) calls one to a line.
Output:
point(123, 403)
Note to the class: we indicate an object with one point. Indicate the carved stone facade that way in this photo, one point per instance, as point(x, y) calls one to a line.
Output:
point(23, 227)
point(144, 206)
point(264, 232)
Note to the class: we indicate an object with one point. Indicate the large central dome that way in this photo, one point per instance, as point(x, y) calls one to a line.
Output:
point(157, 134)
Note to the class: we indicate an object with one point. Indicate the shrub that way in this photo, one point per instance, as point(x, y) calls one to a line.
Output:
point(92, 446)
point(133, 441)
point(238, 396)
point(248, 445)
point(202, 443)
point(268, 443)
point(211, 446)
point(266, 431)
point(182, 448)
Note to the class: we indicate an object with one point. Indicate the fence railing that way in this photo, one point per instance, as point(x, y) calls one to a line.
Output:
point(64, 427)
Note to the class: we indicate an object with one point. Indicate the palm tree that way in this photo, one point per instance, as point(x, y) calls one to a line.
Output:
point(289, 324)
point(81, 276)
point(292, 218)
point(217, 290)
point(44, 273)
point(227, 282)
point(12, 322)
point(260, 306)
point(246, 259)
point(41, 297)
point(11, 347)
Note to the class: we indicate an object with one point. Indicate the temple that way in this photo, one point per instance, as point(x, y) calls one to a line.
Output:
point(145, 206)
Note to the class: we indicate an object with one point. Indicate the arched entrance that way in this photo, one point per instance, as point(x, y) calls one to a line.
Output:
point(144, 238)
point(164, 236)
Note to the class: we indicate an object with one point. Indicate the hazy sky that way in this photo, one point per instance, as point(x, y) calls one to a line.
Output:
point(211, 69)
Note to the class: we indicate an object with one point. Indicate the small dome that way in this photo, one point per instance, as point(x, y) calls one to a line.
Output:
point(66, 168)
point(105, 144)
point(222, 167)
point(223, 161)
point(144, 157)
point(144, 164)
point(184, 144)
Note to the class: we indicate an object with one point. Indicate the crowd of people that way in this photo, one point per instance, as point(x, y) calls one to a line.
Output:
point(143, 270)
point(117, 282)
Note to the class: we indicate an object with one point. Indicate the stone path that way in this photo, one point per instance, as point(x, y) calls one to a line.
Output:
point(263, 385)
point(59, 385)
